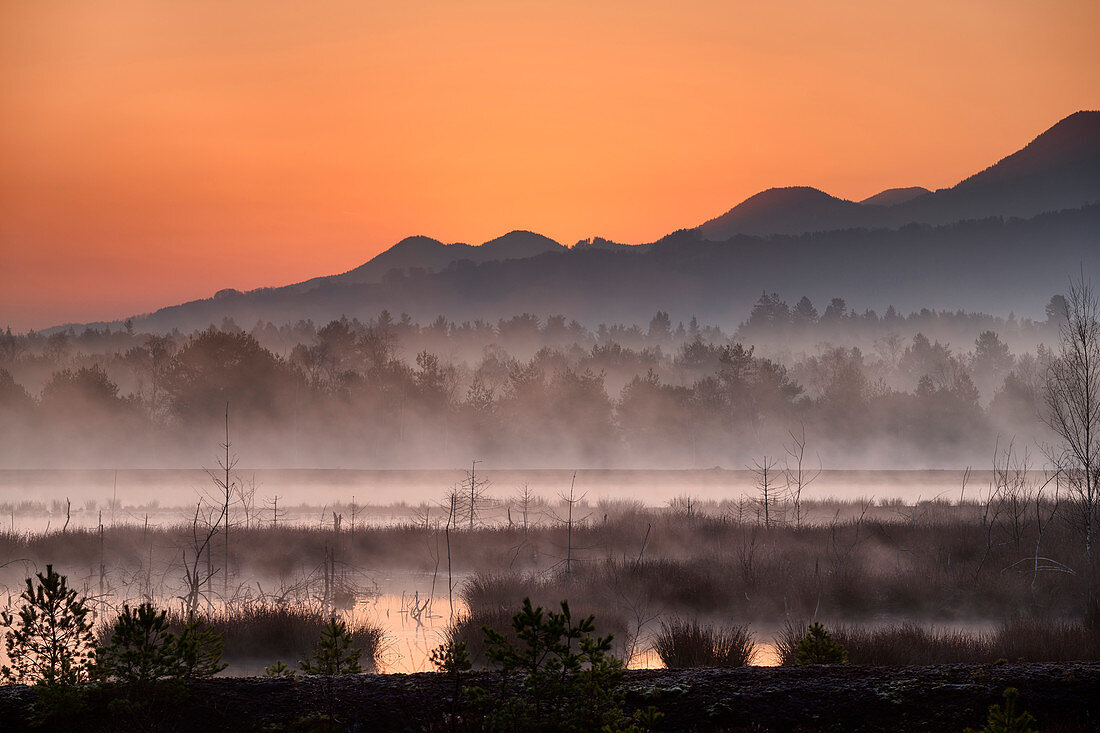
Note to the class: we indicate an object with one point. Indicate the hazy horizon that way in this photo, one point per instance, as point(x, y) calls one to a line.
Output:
point(162, 153)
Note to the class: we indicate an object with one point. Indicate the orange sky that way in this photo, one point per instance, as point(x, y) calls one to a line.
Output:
point(155, 151)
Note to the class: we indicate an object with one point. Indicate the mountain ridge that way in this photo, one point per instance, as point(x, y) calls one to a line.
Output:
point(1042, 199)
point(895, 196)
point(432, 255)
point(1069, 148)
point(1058, 169)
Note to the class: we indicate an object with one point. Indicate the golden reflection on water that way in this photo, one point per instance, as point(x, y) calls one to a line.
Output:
point(414, 623)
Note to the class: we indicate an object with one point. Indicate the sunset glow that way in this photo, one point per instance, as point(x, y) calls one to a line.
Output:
point(154, 152)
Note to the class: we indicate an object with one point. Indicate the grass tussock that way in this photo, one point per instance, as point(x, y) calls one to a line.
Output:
point(469, 628)
point(1028, 640)
point(270, 631)
point(1035, 640)
point(682, 644)
point(902, 644)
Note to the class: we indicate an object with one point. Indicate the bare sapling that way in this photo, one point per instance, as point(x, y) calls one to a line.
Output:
point(226, 486)
point(1045, 502)
point(204, 527)
point(1072, 402)
point(795, 472)
point(570, 500)
point(474, 494)
point(246, 497)
point(767, 489)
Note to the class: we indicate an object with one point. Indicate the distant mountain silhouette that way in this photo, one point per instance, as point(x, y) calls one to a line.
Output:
point(785, 211)
point(895, 196)
point(517, 244)
point(1070, 147)
point(1004, 239)
point(432, 255)
point(992, 265)
point(607, 245)
point(1060, 169)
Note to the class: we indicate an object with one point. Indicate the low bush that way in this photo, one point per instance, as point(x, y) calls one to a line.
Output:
point(1006, 719)
point(141, 648)
point(557, 675)
point(335, 653)
point(819, 647)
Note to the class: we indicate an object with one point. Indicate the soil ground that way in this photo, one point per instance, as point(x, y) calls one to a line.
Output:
point(1063, 697)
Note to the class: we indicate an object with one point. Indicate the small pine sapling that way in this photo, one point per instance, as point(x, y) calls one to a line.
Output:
point(1006, 719)
point(200, 650)
point(334, 653)
point(819, 647)
point(278, 669)
point(452, 659)
point(142, 648)
point(50, 641)
point(567, 677)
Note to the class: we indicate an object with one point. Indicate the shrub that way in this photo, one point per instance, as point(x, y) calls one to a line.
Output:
point(51, 640)
point(199, 648)
point(142, 647)
point(1007, 720)
point(681, 644)
point(819, 647)
point(144, 653)
point(566, 678)
point(334, 653)
point(452, 659)
point(278, 669)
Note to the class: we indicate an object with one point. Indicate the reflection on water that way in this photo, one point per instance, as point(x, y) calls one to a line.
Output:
point(766, 656)
point(415, 622)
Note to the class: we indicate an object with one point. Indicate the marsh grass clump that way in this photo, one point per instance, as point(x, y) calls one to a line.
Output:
point(1032, 640)
point(498, 590)
point(468, 630)
point(283, 631)
point(786, 641)
point(902, 644)
point(1039, 640)
point(683, 644)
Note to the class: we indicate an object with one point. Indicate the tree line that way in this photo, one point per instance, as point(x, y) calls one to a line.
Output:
point(529, 391)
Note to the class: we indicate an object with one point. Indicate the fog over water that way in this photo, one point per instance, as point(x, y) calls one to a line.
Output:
point(168, 495)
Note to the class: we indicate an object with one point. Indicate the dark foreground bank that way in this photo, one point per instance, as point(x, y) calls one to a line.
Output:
point(1062, 697)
